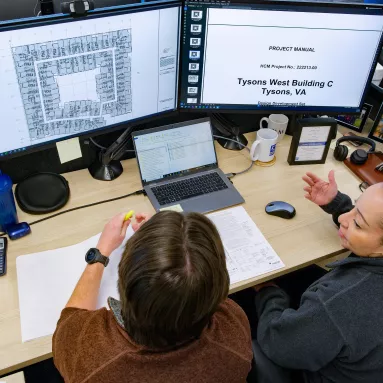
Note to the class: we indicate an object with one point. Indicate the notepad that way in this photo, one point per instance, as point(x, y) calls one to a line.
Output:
point(46, 280)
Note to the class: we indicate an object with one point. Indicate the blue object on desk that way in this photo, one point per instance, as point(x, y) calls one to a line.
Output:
point(8, 214)
point(18, 231)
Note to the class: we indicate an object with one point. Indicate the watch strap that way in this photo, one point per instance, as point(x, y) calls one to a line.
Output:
point(102, 259)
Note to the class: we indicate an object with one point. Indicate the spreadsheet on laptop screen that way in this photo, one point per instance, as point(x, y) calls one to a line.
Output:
point(175, 151)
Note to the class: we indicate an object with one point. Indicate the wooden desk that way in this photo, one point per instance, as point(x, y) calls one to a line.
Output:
point(309, 237)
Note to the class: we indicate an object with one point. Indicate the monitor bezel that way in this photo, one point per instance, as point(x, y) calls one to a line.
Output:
point(33, 22)
point(274, 3)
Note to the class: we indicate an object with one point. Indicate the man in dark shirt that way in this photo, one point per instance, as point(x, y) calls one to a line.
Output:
point(336, 333)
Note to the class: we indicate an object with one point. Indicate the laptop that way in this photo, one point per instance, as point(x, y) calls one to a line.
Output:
point(179, 169)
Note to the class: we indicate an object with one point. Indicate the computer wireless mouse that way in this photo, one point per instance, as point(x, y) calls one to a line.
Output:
point(280, 209)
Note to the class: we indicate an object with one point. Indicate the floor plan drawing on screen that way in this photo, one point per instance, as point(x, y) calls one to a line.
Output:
point(71, 85)
point(62, 77)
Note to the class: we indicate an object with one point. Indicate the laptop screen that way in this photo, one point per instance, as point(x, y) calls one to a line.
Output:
point(176, 150)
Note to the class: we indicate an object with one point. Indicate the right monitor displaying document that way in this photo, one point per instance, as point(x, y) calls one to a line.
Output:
point(281, 56)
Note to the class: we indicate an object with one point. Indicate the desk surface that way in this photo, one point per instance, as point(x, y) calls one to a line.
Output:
point(306, 239)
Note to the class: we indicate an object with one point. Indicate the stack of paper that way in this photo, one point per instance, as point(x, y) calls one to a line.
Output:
point(46, 280)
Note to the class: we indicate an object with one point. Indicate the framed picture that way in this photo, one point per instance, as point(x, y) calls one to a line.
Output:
point(311, 141)
point(376, 132)
point(353, 122)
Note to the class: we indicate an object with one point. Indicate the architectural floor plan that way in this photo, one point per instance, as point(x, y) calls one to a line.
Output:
point(70, 85)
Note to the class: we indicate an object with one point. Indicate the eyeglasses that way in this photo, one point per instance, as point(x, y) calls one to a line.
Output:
point(363, 186)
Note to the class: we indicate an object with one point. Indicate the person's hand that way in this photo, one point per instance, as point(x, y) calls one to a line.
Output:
point(319, 191)
point(113, 234)
point(141, 218)
point(263, 285)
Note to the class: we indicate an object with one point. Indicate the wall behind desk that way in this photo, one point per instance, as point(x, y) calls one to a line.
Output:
point(98, 3)
point(17, 9)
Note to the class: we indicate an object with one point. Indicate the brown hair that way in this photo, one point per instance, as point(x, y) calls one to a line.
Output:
point(172, 277)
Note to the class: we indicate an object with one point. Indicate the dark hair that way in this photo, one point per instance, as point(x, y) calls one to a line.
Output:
point(172, 277)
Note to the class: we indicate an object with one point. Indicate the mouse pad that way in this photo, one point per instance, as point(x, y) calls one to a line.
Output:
point(42, 193)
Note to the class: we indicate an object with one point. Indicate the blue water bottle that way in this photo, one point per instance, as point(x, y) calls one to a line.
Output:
point(8, 214)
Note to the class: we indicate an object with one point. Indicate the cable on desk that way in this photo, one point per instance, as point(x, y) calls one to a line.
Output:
point(231, 175)
point(137, 192)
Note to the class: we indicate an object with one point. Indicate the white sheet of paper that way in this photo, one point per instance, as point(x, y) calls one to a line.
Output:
point(248, 253)
point(46, 281)
point(312, 143)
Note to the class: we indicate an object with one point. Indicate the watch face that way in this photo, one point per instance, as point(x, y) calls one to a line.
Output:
point(90, 256)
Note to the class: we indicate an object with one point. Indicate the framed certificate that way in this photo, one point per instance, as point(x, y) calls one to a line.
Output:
point(311, 141)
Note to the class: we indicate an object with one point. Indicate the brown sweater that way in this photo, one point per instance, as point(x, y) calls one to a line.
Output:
point(90, 346)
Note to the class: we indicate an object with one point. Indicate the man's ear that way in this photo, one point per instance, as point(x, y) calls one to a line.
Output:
point(379, 250)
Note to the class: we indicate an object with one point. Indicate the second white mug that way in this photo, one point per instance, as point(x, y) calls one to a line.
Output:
point(277, 122)
point(263, 148)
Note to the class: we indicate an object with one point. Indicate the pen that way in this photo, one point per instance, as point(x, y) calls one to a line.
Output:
point(129, 215)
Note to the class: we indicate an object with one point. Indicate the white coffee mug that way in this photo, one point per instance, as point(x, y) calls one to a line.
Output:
point(263, 148)
point(277, 122)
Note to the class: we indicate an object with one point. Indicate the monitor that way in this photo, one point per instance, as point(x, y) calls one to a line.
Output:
point(63, 77)
point(278, 56)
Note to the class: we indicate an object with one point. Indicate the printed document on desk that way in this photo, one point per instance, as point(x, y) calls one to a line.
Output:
point(46, 281)
point(248, 253)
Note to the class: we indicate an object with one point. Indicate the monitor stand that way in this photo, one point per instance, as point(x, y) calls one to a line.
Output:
point(231, 145)
point(228, 129)
point(292, 123)
point(107, 166)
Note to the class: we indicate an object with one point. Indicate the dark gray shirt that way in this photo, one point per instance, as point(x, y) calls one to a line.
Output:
point(336, 335)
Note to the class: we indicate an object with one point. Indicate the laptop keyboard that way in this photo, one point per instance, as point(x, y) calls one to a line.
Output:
point(191, 187)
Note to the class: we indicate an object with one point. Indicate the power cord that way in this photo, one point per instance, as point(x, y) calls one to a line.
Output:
point(103, 147)
point(137, 192)
point(231, 175)
point(34, 9)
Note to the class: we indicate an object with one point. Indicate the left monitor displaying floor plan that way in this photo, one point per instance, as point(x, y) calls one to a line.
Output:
point(62, 77)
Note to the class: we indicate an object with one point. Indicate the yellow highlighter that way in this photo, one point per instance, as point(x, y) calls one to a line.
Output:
point(129, 215)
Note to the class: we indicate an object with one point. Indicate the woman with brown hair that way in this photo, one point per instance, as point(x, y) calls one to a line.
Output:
point(173, 323)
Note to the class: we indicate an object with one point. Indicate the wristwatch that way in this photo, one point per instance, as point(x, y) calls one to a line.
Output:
point(93, 255)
